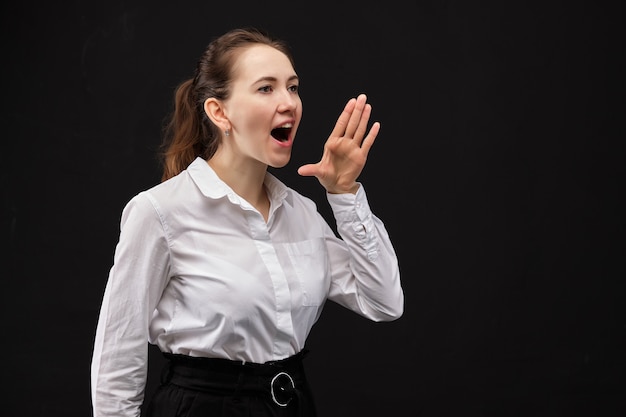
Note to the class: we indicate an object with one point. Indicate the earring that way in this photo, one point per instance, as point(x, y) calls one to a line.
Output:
point(227, 132)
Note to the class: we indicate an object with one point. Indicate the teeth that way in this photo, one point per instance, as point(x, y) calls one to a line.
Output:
point(286, 126)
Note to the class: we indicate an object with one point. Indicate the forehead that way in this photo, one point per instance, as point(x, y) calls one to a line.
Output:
point(259, 61)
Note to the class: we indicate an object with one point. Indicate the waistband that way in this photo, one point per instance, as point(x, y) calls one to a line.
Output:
point(280, 381)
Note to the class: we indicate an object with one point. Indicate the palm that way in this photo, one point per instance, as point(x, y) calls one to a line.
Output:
point(346, 150)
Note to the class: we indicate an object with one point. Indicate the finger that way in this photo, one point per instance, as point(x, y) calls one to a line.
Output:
point(308, 170)
point(356, 116)
point(344, 117)
point(361, 129)
point(370, 138)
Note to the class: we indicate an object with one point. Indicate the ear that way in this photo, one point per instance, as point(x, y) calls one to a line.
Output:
point(215, 110)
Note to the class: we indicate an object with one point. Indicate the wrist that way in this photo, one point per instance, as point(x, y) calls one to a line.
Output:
point(351, 190)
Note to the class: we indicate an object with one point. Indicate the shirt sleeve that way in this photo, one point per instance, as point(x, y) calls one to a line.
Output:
point(134, 286)
point(365, 270)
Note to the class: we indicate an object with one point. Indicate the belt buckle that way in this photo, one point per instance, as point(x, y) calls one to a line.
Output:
point(281, 375)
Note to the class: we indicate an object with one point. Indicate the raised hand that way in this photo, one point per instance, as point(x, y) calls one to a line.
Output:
point(346, 150)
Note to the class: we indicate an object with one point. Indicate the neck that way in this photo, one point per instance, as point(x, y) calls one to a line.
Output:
point(246, 179)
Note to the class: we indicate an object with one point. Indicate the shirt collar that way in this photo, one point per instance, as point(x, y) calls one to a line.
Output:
point(212, 186)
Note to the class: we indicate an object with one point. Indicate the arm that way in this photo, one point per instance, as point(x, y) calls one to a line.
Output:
point(136, 280)
point(365, 272)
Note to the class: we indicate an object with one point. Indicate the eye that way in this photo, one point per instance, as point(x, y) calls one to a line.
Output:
point(266, 89)
point(293, 88)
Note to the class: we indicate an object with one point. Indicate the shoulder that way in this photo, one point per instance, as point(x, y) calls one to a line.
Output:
point(297, 197)
point(289, 196)
point(162, 196)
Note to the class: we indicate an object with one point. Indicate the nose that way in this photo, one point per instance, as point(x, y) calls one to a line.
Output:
point(288, 102)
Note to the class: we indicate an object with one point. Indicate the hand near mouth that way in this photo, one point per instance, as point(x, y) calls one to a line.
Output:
point(346, 150)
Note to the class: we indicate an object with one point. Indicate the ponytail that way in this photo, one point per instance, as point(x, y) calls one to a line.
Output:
point(186, 134)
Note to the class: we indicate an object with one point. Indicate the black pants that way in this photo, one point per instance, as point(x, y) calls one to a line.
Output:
point(194, 387)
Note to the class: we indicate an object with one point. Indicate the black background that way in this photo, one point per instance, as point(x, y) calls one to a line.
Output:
point(498, 172)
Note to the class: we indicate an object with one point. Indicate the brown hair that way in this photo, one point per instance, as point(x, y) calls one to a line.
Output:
point(189, 133)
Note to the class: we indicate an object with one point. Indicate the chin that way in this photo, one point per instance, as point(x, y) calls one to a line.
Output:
point(279, 163)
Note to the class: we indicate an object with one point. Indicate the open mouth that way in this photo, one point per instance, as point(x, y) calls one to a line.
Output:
point(281, 134)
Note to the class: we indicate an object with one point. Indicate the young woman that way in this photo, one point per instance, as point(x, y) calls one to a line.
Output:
point(224, 267)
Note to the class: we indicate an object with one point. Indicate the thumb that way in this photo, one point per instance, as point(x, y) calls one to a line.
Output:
point(307, 170)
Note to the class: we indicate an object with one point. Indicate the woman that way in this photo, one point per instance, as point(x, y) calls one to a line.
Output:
point(224, 267)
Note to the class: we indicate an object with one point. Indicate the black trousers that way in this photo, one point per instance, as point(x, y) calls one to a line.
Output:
point(194, 387)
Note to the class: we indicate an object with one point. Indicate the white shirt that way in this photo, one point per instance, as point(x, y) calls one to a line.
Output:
point(198, 271)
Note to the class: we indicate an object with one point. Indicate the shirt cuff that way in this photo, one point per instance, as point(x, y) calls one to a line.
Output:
point(353, 215)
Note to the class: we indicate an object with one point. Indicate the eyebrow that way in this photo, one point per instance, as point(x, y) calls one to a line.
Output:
point(274, 79)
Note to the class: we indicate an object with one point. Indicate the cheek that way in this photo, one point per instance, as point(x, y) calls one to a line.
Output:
point(251, 118)
point(299, 111)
